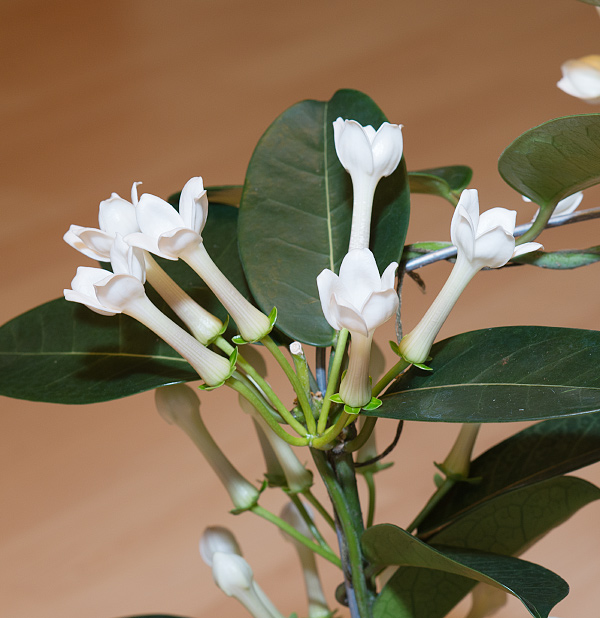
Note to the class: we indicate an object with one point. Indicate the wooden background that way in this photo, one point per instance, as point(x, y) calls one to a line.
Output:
point(102, 506)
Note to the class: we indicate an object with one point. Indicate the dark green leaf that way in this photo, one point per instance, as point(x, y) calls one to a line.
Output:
point(554, 160)
point(447, 182)
point(539, 589)
point(421, 248)
point(506, 525)
point(296, 211)
point(561, 260)
point(540, 452)
point(62, 352)
point(231, 195)
point(514, 373)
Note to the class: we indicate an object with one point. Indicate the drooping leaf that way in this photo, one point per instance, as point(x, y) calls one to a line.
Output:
point(540, 452)
point(506, 525)
point(554, 160)
point(62, 352)
point(561, 260)
point(296, 208)
point(447, 182)
point(505, 374)
point(537, 588)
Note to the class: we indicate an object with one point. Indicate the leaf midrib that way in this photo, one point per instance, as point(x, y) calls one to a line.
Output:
point(326, 176)
point(479, 384)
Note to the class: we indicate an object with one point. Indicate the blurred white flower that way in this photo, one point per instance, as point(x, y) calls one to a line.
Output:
point(179, 405)
point(217, 538)
point(581, 78)
point(358, 300)
point(484, 241)
point(317, 603)
point(367, 155)
point(565, 207)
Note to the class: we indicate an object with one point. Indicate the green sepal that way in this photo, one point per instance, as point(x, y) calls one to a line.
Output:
point(438, 479)
point(422, 366)
point(275, 480)
point(239, 510)
point(373, 404)
point(352, 411)
point(239, 340)
point(221, 332)
point(232, 363)
point(336, 398)
point(395, 348)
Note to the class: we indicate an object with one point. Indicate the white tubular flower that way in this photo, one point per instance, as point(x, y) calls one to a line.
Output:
point(581, 78)
point(317, 603)
point(484, 241)
point(367, 155)
point(358, 300)
point(297, 477)
point(118, 216)
point(179, 405)
point(217, 538)
point(173, 235)
point(235, 578)
point(122, 291)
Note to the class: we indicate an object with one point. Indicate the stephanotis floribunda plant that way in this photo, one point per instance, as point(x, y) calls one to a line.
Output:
point(305, 262)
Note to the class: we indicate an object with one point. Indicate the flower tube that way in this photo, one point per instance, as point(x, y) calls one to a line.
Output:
point(317, 603)
point(173, 235)
point(358, 300)
point(482, 241)
point(122, 291)
point(179, 405)
point(118, 216)
point(367, 155)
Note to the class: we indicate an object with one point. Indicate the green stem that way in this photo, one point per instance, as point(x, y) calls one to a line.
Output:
point(337, 472)
point(372, 495)
point(294, 381)
point(537, 227)
point(440, 492)
point(308, 494)
point(398, 368)
point(309, 521)
point(363, 436)
point(244, 390)
point(289, 529)
point(325, 439)
point(333, 379)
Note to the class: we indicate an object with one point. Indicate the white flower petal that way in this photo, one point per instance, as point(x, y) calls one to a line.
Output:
point(327, 283)
point(119, 291)
point(175, 242)
point(387, 148)
point(117, 215)
point(496, 217)
point(155, 216)
point(379, 308)
point(359, 276)
point(526, 248)
point(353, 146)
point(83, 290)
point(147, 243)
point(91, 242)
point(127, 260)
point(193, 204)
point(581, 78)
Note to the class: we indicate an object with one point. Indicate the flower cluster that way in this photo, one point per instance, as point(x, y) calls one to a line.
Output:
point(128, 233)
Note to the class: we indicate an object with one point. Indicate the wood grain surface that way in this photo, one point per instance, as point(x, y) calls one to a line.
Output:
point(103, 506)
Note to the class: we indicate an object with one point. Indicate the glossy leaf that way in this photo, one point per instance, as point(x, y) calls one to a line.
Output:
point(539, 589)
point(296, 208)
point(554, 160)
point(561, 260)
point(560, 446)
point(515, 373)
point(62, 352)
point(447, 182)
point(505, 525)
